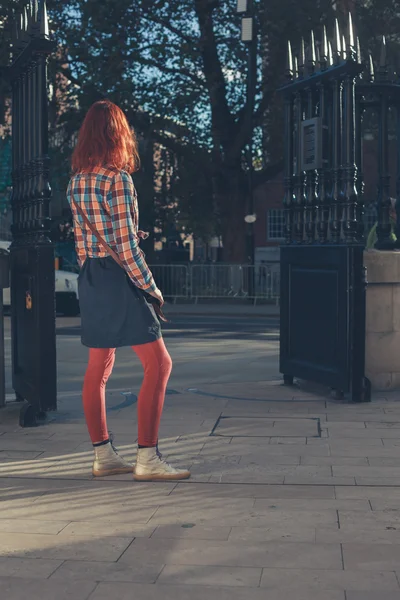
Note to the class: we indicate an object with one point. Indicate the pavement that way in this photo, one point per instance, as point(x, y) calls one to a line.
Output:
point(294, 495)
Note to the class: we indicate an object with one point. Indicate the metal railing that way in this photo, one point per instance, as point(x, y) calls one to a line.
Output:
point(219, 281)
point(236, 281)
point(173, 280)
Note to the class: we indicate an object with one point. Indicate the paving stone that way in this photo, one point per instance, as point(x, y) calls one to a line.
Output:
point(123, 591)
point(231, 554)
point(274, 533)
point(349, 443)
point(371, 519)
point(351, 595)
point(30, 525)
point(27, 545)
point(235, 515)
point(260, 459)
point(139, 572)
point(31, 568)
point(371, 557)
point(20, 589)
point(384, 461)
point(211, 576)
point(348, 534)
point(291, 441)
point(191, 531)
point(378, 481)
point(367, 492)
point(312, 504)
point(222, 490)
point(94, 529)
point(378, 472)
point(334, 460)
point(278, 449)
point(312, 579)
point(362, 451)
point(304, 480)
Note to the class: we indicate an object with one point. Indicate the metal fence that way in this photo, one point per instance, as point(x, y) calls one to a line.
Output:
point(219, 281)
point(173, 280)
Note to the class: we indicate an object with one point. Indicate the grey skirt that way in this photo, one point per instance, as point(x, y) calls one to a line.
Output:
point(114, 312)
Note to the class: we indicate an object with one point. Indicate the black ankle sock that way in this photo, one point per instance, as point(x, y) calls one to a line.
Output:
point(101, 443)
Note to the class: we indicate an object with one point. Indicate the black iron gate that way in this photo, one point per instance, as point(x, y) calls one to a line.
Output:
point(32, 253)
point(323, 294)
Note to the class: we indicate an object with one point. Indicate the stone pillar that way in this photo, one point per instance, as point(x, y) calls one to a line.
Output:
point(383, 319)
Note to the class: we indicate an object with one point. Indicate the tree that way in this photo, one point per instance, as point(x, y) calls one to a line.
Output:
point(178, 69)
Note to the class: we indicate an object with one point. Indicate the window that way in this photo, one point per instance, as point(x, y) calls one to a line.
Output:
point(275, 224)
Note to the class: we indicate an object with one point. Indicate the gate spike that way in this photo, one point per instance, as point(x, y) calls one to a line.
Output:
point(330, 55)
point(289, 61)
point(317, 55)
point(20, 25)
point(25, 19)
point(35, 10)
point(344, 50)
point(351, 33)
point(312, 53)
point(324, 50)
point(296, 66)
point(359, 57)
point(43, 19)
point(30, 16)
point(337, 43)
point(383, 57)
point(371, 68)
point(302, 57)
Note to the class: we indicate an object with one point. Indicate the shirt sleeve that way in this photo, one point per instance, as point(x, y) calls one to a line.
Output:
point(123, 211)
point(78, 235)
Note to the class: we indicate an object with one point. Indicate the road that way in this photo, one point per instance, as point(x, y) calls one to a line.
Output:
point(205, 349)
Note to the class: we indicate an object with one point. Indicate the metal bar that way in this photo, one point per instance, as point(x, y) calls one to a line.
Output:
point(322, 211)
point(349, 167)
point(384, 226)
point(289, 169)
point(311, 181)
point(335, 212)
point(298, 230)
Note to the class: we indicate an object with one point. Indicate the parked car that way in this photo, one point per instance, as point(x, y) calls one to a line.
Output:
point(67, 296)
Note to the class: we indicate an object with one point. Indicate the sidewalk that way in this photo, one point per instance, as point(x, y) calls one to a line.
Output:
point(293, 497)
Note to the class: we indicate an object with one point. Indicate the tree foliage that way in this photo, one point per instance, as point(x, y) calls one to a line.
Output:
point(178, 69)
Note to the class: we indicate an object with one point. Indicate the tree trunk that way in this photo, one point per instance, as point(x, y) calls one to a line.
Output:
point(230, 195)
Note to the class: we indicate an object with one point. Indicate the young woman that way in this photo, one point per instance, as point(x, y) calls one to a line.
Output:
point(113, 283)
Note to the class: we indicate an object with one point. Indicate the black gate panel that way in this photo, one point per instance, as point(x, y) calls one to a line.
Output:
point(33, 325)
point(31, 251)
point(323, 292)
point(316, 296)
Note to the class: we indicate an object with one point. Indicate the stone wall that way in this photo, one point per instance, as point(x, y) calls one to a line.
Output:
point(383, 319)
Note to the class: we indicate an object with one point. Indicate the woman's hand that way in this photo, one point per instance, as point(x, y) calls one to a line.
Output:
point(143, 235)
point(158, 295)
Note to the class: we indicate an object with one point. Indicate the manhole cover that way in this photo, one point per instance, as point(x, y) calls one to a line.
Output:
point(266, 427)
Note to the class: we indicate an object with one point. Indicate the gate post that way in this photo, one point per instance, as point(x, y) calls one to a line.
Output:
point(31, 251)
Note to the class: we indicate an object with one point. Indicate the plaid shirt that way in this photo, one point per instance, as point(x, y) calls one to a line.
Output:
point(108, 198)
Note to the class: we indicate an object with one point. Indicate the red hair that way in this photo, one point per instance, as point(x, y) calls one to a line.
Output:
point(105, 139)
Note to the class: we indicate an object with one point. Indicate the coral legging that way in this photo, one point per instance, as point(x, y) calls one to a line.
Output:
point(157, 365)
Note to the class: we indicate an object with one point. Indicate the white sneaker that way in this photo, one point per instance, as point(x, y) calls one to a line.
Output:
point(150, 466)
point(107, 461)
